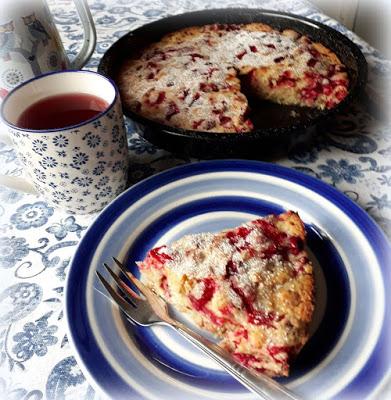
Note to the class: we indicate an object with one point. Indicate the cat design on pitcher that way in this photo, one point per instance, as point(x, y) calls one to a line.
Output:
point(38, 35)
point(36, 29)
point(31, 45)
point(10, 42)
point(7, 40)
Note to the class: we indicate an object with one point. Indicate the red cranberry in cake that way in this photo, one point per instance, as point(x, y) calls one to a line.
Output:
point(252, 286)
point(182, 78)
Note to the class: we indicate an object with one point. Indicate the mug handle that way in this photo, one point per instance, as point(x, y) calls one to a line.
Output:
point(89, 35)
point(16, 183)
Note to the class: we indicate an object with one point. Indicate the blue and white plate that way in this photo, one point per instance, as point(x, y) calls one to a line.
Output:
point(348, 354)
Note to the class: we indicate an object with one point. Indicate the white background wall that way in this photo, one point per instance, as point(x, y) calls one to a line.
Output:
point(370, 19)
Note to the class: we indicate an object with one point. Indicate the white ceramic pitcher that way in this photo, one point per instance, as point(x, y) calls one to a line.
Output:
point(30, 43)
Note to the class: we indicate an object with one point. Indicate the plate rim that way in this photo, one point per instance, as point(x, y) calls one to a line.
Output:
point(375, 236)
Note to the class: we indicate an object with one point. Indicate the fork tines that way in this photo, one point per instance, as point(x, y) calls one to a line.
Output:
point(126, 306)
point(140, 286)
point(121, 284)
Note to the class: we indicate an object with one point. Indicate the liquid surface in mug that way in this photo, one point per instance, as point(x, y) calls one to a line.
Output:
point(61, 111)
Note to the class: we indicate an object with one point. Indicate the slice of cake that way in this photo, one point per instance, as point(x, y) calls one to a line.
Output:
point(252, 286)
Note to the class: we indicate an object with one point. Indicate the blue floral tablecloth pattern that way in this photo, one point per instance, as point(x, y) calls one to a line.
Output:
point(37, 241)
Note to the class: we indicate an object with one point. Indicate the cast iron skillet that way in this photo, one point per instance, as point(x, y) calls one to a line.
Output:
point(276, 130)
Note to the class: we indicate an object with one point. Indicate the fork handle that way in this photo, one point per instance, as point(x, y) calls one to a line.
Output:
point(263, 386)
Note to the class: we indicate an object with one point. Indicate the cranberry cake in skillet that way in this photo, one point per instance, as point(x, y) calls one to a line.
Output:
point(193, 78)
point(252, 286)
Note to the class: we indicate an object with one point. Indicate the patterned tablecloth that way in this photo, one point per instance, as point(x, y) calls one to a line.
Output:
point(38, 241)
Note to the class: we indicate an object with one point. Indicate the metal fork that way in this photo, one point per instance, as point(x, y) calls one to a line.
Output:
point(150, 309)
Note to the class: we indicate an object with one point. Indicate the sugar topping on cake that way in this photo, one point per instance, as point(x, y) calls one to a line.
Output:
point(192, 81)
point(251, 285)
point(249, 255)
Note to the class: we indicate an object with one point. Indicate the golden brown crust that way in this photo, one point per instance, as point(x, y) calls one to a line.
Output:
point(257, 27)
point(181, 35)
point(291, 223)
point(327, 53)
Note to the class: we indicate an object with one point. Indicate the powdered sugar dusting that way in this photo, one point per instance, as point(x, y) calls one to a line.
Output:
point(198, 289)
point(257, 49)
point(188, 64)
point(233, 297)
point(199, 75)
point(197, 256)
point(204, 255)
point(244, 283)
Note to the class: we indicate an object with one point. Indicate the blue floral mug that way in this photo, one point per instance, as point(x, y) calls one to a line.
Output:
point(80, 168)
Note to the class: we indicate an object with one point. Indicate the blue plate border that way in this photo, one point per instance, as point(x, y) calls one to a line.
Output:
point(89, 356)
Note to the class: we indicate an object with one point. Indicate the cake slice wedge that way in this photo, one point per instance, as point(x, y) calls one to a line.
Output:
point(252, 286)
